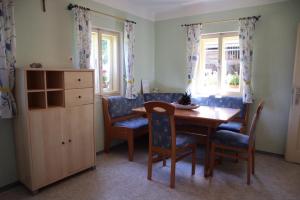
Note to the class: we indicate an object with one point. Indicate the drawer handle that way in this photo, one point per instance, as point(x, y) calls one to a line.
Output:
point(63, 142)
point(70, 140)
point(79, 80)
point(79, 97)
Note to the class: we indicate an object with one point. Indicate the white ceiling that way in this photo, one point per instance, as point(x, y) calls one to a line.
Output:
point(166, 9)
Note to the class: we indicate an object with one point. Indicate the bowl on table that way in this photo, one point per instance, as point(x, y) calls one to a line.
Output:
point(185, 107)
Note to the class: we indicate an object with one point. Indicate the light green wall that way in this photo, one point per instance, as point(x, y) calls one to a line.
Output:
point(274, 47)
point(7, 153)
point(47, 38)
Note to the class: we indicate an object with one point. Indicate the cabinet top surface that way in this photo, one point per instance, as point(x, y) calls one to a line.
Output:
point(71, 69)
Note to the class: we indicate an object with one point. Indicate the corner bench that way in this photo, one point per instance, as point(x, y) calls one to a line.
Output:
point(121, 123)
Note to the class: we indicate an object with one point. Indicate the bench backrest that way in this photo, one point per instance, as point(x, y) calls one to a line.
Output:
point(225, 102)
point(119, 106)
point(166, 97)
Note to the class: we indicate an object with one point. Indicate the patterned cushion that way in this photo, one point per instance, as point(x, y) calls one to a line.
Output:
point(184, 139)
point(231, 126)
point(120, 106)
point(161, 130)
point(161, 133)
point(166, 97)
point(133, 123)
point(230, 138)
point(225, 102)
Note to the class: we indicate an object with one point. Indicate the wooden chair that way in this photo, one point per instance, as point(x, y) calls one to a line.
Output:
point(126, 127)
point(163, 139)
point(237, 142)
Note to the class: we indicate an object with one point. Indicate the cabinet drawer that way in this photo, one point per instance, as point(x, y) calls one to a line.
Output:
point(76, 97)
point(78, 80)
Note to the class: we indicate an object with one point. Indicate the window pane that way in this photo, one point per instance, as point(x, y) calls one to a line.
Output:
point(210, 55)
point(231, 64)
point(94, 62)
point(110, 77)
point(106, 62)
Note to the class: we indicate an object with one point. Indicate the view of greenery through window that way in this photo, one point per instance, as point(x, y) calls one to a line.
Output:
point(231, 63)
point(220, 63)
point(106, 69)
point(106, 62)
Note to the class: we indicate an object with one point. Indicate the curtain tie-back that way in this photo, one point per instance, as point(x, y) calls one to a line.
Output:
point(247, 82)
point(4, 89)
point(130, 81)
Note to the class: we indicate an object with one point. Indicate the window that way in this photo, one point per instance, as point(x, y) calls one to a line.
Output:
point(105, 59)
point(219, 68)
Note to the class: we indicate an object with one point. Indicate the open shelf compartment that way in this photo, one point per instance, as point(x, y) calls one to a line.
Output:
point(35, 80)
point(36, 100)
point(55, 80)
point(55, 99)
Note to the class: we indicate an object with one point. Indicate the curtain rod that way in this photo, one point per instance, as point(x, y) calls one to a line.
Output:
point(71, 6)
point(227, 20)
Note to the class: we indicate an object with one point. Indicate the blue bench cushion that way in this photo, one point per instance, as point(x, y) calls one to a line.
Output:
point(230, 138)
point(231, 126)
point(225, 102)
point(133, 123)
point(166, 97)
point(120, 106)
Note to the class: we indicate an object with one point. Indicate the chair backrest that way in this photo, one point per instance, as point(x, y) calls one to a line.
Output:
point(254, 122)
point(161, 124)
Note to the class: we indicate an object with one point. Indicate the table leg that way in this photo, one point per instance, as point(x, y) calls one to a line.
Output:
point(207, 170)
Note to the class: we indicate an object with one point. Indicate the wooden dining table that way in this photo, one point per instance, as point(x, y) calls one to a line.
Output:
point(203, 117)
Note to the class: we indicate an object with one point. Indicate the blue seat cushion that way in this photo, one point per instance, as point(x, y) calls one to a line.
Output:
point(231, 126)
point(184, 139)
point(133, 123)
point(230, 138)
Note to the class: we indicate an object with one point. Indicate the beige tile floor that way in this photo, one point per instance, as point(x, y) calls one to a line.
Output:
point(117, 179)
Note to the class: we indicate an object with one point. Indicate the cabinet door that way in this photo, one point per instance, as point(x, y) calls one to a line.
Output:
point(46, 146)
point(79, 131)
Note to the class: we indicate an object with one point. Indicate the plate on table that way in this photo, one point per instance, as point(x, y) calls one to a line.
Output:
point(185, 107)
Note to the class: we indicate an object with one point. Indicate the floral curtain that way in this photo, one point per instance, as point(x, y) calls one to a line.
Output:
point(246, 33)
point(83, 37)
point(129, 40)
point(193, 33)
point(7, 59)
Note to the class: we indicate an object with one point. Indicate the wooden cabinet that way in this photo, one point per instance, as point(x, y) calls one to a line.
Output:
point(54, 129)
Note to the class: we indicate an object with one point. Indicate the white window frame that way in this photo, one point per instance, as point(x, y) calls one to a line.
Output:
point(117, 78)
point(220, 37)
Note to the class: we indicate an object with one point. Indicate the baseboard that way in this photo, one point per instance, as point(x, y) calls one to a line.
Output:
point(9, 186)
point(270, 154)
